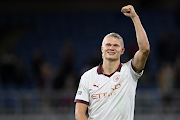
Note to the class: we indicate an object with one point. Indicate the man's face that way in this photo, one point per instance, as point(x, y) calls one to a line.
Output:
point(112, 48)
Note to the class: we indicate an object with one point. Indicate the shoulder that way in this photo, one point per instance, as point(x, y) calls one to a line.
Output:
point(129, 69)
point(87, 77)
point(90, 72)
point(127, 64)
point(126, 67)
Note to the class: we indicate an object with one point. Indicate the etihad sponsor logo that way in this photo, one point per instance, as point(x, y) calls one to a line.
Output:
point(105, 95)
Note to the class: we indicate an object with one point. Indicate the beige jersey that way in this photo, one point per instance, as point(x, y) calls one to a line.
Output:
point(109, 97)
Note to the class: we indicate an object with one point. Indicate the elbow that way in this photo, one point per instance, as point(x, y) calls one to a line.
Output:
point(146, 50)
point(144, 47)
point(147, 53)
point(147, 47)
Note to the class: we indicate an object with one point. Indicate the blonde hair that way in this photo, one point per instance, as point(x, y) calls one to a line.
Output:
point(115, 35)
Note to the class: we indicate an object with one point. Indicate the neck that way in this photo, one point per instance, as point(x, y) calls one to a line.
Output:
point(110, 67)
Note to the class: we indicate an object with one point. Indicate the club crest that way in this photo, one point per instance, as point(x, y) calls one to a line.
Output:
point(116, 78)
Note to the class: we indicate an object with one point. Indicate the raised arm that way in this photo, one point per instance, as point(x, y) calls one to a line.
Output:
point(141, 55)
point(80, 112)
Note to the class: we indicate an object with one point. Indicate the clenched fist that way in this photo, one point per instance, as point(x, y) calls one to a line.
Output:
point(129, 11)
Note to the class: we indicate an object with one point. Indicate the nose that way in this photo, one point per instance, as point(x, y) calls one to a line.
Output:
point(111, 47)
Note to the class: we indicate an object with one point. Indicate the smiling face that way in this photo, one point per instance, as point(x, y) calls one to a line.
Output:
point(112, 48)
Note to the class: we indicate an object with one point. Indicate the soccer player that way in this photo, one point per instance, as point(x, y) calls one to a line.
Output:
point(108, 90)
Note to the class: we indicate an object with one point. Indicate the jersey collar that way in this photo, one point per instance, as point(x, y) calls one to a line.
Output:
point(99, 70)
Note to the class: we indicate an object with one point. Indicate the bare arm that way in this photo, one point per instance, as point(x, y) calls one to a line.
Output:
point(144, 48)
point(80, 112)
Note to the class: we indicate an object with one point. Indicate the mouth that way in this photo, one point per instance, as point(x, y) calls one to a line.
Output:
point(111, 53)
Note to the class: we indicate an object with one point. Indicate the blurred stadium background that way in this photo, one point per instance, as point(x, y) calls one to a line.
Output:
point(46, 45)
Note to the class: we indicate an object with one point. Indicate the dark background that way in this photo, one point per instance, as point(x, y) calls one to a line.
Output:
point(45, 47)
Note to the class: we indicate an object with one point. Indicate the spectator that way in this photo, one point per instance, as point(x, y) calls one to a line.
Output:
point(166, 81)
point(67, 64)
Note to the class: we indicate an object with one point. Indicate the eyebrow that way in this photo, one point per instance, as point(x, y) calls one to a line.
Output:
point(113, 44)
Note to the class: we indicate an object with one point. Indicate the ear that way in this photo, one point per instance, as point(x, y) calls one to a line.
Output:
point(122, 51)
point(102, 52)
point(102, 49)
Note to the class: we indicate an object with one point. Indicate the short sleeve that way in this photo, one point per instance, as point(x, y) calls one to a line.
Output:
point(82, 94)
point(134, 74)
